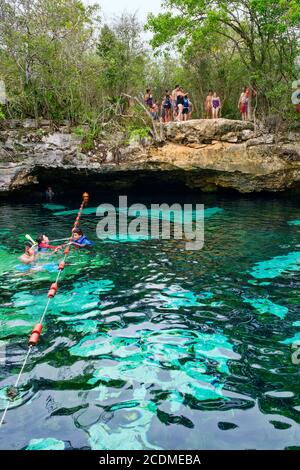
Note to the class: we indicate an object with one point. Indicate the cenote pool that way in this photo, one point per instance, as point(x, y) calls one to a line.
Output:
point(150, 346)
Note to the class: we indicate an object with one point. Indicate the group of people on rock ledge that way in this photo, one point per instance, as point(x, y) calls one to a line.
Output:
point(177, 106)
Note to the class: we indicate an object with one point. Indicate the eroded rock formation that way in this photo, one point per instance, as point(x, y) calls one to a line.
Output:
point(202, 154)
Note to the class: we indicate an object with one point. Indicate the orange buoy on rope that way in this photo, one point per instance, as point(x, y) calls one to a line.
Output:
point(61, 266)
point(35, 335)
point(53, 290)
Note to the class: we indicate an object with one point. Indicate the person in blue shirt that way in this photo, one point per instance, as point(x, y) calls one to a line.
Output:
point(80, 240)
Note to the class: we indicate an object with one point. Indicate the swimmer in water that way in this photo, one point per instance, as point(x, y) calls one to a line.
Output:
point(43, 244)
point(29, 256)
point(80, 240)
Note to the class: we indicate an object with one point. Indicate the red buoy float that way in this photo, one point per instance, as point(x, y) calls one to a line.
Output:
point(61, 266)
point(52, 290)
point(35, 335)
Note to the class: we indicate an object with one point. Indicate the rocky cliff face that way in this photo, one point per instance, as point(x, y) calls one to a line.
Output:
point(202, 154)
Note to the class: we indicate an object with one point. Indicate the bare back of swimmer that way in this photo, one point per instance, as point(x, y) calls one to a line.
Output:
point(29, 255)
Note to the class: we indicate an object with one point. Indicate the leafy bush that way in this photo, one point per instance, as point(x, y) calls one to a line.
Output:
point(88, 134)
point(139, 133)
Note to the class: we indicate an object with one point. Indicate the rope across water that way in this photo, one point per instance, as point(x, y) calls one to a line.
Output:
point(33, 340)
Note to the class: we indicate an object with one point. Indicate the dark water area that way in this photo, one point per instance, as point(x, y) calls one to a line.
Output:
point(148, 345)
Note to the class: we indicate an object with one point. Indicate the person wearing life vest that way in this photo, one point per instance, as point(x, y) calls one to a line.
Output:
point(186, 107)
point(43, 244)
point(80, 240)
point(180, 105)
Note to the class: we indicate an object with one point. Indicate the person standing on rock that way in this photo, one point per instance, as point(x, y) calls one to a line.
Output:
point(186, 107)
point(148, 98)
point(166, 107)
point(174, 100)
point(180, 103)
point(216, 106)
point(242, 105)
point(248, 102)
point(191, 109)
point(154, 110)
point(208, 105)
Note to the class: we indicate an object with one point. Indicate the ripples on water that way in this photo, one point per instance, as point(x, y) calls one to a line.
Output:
point(148, 346)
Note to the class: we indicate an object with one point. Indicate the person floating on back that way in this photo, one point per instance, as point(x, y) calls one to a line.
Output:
point(80, 240)
point(43, 244)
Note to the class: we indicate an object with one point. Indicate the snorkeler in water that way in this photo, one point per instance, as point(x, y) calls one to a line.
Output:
point(30, 255)
point(80, 240)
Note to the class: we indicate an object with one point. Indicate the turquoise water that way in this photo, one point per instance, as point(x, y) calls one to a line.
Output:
point(150, 346)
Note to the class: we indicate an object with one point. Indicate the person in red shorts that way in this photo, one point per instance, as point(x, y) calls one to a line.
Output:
point(242, 105)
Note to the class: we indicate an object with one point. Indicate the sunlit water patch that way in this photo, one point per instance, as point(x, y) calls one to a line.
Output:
point(276, 266)
point(294, 222)
point(267, 306)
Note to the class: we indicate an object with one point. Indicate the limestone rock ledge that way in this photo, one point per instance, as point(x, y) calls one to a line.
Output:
point(201, 154)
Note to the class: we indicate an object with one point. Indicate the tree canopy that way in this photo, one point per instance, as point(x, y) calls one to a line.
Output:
point(58, 60)
point(262, 34)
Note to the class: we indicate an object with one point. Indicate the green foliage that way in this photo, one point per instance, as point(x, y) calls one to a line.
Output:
point(139, 133)
point(88, 142)
point(2, 115)
point(260, 37)
point(58, 62)
point(88, 134)
point(79, 131)
point(122, 56)
point(45, 60)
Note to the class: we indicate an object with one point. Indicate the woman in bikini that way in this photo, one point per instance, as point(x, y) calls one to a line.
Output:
point(216, 106)
point(148, 99)
point(180, 104)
